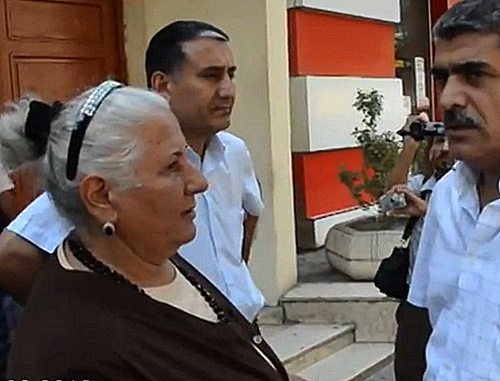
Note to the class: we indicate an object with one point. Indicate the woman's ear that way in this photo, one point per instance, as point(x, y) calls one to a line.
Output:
point(95, 195)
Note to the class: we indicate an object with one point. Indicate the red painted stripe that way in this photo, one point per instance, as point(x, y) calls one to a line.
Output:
point(337, 45)
point(318, 190)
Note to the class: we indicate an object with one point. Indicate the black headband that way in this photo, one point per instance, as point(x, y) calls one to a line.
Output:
point(37, 126)
point(84, 118)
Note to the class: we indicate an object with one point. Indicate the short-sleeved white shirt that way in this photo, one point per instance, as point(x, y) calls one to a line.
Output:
point(216, 250)
point(41, 224)
point(457, 278)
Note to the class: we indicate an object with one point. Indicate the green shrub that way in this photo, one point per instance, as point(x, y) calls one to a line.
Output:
point(380, 151)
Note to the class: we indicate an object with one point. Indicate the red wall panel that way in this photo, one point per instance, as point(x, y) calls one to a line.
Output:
point(318, 190)
point(332, 44)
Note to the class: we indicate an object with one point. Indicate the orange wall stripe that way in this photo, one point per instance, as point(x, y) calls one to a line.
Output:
point(336, 45)
point(318, 190)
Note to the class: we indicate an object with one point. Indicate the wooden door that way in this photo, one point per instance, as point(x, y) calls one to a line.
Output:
point(56, 49)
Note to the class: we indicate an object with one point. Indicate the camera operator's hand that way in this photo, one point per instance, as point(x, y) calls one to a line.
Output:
point(410, 144)
point(413, 127)
point(416, 207)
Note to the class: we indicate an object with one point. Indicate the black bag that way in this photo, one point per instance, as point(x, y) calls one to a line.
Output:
point(391, 275)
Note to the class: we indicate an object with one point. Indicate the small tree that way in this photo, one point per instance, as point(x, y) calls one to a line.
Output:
point(380, 151)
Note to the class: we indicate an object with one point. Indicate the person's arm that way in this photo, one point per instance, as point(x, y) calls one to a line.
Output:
point(251, 202)
point(20, 261)
point(7, 204)
point(249, 226)
point(27, 242)
point(400, 171)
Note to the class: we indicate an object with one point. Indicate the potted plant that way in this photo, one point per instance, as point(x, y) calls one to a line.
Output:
point(357, 247)
point(380, 150)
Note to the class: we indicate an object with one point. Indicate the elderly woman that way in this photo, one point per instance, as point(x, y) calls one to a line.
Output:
point(116, 303)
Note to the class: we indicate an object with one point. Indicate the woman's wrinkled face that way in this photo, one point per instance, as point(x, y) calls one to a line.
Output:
point(157, 216)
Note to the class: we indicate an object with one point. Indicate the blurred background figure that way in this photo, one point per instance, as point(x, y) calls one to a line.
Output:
point(414, 328)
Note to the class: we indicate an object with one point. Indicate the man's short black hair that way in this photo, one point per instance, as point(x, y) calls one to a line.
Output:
point(469, 16)
point(165, 52)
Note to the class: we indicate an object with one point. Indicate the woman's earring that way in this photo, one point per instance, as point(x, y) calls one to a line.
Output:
point(108, 228)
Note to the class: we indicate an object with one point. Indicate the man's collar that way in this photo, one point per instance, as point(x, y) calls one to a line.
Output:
point(215, 149)
point(466, 177)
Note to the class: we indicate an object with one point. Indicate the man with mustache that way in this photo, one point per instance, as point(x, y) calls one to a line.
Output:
point(456, 275)
point(192, 65)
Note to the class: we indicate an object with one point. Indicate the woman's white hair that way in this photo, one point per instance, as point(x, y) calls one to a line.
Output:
point(15, 149)
point(110, 146)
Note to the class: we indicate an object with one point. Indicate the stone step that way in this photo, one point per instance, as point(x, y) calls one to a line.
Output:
point(358, 303)
point(302, 345)
point(271, 315)
point(355, 362)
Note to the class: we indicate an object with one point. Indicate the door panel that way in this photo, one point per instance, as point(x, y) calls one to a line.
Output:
point(55, 21)
point(56, 49)
point(32, 75)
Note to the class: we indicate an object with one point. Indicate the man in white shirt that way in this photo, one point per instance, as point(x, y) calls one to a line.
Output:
point(192, 65)
point(456, 274)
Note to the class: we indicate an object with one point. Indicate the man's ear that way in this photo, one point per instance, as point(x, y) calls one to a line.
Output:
point(161, 83)
point(96, 197)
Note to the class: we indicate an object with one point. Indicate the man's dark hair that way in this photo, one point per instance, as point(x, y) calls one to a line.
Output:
point(165, 52)
point(469, 16)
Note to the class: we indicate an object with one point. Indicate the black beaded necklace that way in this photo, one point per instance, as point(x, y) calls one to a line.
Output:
point(85, 257)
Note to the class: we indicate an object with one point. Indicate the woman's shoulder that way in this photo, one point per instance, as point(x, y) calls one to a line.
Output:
point(64, 328)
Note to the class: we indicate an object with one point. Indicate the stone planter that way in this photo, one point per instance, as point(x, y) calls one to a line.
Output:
point(357, 247)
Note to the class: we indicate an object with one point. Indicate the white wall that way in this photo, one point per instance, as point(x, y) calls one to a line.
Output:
point(261, 116)
point(323, 117)
point(384, 10)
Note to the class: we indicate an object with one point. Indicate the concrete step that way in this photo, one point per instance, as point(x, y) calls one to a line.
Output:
point(271, 315)
point(302, 345)
point(358, 303)
point(355, 362)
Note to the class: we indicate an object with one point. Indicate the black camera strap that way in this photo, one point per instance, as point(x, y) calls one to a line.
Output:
point(412, 221)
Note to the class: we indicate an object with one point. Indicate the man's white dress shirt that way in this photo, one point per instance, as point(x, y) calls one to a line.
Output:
point(216, 250)
point(457, 277)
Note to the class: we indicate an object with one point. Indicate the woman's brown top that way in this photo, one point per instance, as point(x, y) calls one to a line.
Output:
point(82, 326)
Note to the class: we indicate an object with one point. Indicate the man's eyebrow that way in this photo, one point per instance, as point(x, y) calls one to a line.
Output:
point(471, 66)
point(219, 68)
point(463, 68)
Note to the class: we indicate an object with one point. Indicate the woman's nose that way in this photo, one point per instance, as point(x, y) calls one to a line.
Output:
point(196, 182)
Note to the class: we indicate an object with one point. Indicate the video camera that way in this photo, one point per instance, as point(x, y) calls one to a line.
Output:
point(418, 130)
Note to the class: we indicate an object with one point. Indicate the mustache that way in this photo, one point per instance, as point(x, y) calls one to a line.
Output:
point(456, 117)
